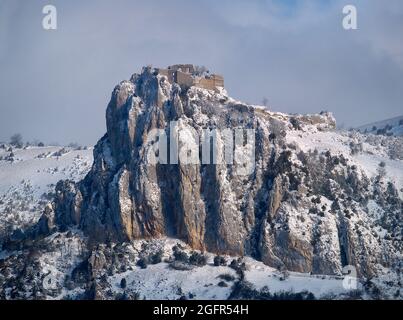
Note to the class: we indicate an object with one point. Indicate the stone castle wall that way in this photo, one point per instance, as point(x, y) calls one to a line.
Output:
point(184, 79)
point(182, 74)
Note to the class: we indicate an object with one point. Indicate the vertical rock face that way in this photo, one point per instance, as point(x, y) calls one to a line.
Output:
point(272, 212)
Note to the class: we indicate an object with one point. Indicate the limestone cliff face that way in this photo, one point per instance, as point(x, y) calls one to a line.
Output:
point(210, 206)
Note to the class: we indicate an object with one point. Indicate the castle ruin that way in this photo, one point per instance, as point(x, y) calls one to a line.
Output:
point(188, 75)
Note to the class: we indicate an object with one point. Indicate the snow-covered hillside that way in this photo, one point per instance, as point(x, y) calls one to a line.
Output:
point(390, 127)
point(129, 271)
point(28, 177)
point(317, 203)
point(366, 152)
point(27, 180)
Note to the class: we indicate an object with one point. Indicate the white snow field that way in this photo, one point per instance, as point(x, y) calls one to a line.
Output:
point(393, 127)
point(28, 175)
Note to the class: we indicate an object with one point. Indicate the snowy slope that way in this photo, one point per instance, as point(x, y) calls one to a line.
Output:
point(28, 177)
point(372, 151)
point(160, 281)
point(393, 127)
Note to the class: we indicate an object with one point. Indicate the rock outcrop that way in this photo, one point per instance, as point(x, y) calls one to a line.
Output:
point(286, 210)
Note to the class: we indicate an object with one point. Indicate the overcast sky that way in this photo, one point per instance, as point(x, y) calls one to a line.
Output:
point(55, 85)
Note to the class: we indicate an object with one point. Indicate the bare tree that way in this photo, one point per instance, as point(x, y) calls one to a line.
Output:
point(200, 70)
point(16, 140)
point(265, 102)
point(381, 170)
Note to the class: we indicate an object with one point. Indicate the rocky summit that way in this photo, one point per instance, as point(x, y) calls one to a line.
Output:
point(315, 199)
point(192, 194)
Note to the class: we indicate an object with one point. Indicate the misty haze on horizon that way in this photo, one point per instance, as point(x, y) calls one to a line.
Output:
point(56, 84)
